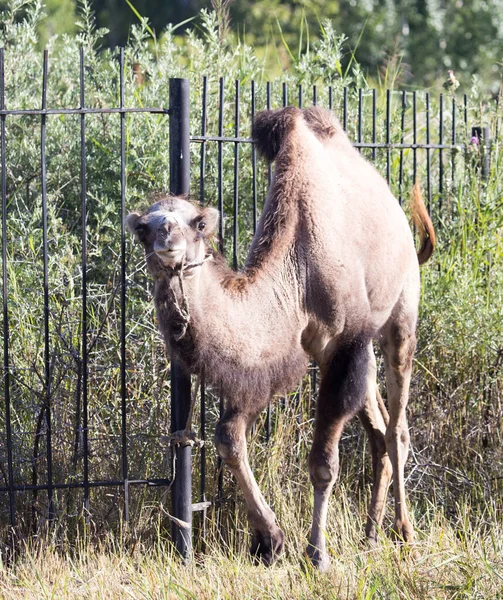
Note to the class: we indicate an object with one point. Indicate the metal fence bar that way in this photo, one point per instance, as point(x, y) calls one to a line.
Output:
point(388, 135)
point(268, 106)
point(453, 157)
point(236, 179)
point(179, 182)
point(374, 123)
point(220, 206)
point(47, 358)
point(345, 108)
point(360, 117)
point(440, 154)
point(428, 154)
point(85, 366)
point(5, 298)
point(154, 482)
point(125, 474)
point(414, 135)
point(254, 161)
point(79, 111)
point(402, 140)
point(220, 163)
point(202, 418)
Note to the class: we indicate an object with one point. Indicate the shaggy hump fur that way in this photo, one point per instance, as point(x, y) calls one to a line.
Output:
point(271, 128)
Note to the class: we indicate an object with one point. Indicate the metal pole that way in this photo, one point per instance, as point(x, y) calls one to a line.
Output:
point(179, 161)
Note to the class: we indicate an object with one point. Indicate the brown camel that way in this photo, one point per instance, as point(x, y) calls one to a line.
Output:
point(332, 267)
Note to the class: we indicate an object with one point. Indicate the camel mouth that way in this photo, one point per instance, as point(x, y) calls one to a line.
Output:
point(171, 257)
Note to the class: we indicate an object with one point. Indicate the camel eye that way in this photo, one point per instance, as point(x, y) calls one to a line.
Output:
point(201, 225)
point(141, 230)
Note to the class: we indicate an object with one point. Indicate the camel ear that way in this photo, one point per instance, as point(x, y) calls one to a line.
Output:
point(211, 217)
point(132, 222)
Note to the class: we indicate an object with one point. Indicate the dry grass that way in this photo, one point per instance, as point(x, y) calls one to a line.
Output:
point(454, 559)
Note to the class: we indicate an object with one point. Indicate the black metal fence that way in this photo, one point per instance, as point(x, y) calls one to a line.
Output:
point(420, 144)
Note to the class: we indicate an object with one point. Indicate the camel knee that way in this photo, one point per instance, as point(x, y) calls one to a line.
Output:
point(398, 436)
point(230, 442)
point(322, 471)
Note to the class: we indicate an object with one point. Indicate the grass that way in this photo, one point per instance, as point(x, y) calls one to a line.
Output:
point(453, 560)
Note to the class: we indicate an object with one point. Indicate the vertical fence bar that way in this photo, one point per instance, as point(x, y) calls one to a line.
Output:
point(440, 154)
point(220, 202)
point(315, 95)
point(269, 180)
point(47, 357)
point(453, 140)
point(204, 117)
point(202, 174)
point(428, 152)
point(301, 96)
point(268, 106)
point(125, 476)
point(6, 339)
point(388, 135)
point(345, 108)
point(179, 183)
point(374, 122)
point(236, 179)
point(220, 161)
point(402, 140)
point(330, 97)
point(85, 366)
point(285, 94)
point(360, 117)
point(414, 135)
point(254, 160)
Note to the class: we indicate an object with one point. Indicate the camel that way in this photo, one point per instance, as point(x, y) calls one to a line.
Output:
point(331, 268)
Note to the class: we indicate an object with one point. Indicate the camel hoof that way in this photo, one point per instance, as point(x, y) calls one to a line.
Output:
point(403, 532)
point(318, 558)
point(266, 548)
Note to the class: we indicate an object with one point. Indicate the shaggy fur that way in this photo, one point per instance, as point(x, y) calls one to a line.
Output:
point(332, 266)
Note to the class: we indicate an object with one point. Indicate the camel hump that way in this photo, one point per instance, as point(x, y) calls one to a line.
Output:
point(272, 127)
point(423, 224)
point(322, 122)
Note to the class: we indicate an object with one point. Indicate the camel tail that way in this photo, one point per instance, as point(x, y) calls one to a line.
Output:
point(271, 128)
point(423, 224)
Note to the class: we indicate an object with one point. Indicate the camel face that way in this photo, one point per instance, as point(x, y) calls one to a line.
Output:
point(174, 232)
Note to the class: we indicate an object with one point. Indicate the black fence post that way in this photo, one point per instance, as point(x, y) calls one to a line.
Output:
point(179, 161)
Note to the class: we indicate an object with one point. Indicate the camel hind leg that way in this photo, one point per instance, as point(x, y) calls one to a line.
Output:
point(398, 342)
point(374, 418)
point(342, 395)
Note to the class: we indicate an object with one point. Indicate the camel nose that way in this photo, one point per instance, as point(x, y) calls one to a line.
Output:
point(170, 242)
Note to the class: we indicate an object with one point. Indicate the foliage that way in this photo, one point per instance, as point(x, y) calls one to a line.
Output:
point(456, 407)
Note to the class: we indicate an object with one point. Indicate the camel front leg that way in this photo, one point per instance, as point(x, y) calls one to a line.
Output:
point(230, 440)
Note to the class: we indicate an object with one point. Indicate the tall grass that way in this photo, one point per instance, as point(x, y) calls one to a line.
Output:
point(454, 475)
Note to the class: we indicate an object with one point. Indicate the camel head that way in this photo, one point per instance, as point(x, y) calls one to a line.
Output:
point(174, 232)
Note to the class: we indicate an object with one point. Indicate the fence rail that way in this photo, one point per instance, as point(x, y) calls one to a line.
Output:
point(451, 142)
